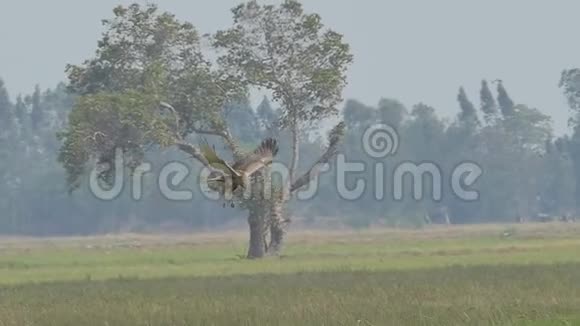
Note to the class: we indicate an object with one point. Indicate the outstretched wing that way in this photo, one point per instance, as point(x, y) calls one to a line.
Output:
point(262, 156)
point(214, 160)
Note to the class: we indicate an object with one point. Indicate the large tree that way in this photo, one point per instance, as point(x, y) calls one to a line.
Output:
point(147, 57)
point(289, 53)
point(570, 84)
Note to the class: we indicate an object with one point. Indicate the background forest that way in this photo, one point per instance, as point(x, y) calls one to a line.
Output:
point(528, 173)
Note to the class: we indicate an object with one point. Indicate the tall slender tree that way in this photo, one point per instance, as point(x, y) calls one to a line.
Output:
point(36, 113)
point(5, 107)
point(570, 84)
point(468, 113)
point(268, 118)
point(20, 111)
point(488, 104)
point(506, 104)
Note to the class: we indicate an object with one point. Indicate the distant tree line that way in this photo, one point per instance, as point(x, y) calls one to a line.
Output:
point(528, 174)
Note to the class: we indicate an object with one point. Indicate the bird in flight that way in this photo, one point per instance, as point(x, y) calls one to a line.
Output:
point(241, 170)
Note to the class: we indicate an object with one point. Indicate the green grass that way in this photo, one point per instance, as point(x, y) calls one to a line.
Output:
point(459, 276)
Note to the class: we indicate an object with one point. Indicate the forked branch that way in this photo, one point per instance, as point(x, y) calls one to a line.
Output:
point(191, 149)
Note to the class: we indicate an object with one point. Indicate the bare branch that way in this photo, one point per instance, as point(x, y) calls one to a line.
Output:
point(175, 115)
point(232, 144)
point(226, 137)
point(180, 142)
point(193, 151)
point(224, 134)
point(313, 172)
point(295, 150)
point(209, 132)
point(335, 136)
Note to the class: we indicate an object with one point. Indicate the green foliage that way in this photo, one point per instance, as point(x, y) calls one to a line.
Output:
point(391, 112)
point(388, 111)
point(135, 38)
point(145, 57)
point(102, 123)
point(570, 84)
point(508, 188)
point(357, 114)
point(529, 127)
point(288, 52)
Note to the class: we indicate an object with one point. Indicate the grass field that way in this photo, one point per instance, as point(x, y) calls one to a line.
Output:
point(479, 275)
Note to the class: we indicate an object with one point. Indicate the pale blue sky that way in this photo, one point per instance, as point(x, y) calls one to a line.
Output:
point(409, 49)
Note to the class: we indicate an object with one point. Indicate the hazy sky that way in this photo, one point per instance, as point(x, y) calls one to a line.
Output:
point(415, 51)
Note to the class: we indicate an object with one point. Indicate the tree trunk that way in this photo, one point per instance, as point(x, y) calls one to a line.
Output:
point(447, 219)
point(295, 153)
point(256, 221)
point(278, 228)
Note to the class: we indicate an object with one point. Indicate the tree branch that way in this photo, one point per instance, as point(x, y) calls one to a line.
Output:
point(313, 172)
point(208, 132)
point(295, 150)
point(193, 151)
point(232, 144)
point(226, 136)
point(188, 148)
point(335, 136)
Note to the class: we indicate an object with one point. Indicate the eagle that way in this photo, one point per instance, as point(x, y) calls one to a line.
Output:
point(241, 170)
